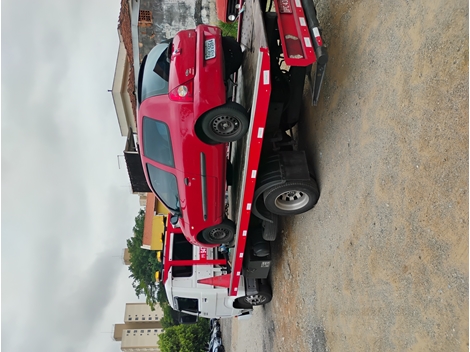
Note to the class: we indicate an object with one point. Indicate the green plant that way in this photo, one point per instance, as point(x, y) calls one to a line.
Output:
point(228, 29)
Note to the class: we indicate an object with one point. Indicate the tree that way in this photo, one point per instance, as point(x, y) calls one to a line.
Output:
point(161, 295)
point(185, 338)
point(143, 263)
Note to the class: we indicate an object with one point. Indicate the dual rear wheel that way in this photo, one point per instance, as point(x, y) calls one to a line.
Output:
point(291, 197)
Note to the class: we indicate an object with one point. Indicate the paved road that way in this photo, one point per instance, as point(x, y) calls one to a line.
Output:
point(381, 263)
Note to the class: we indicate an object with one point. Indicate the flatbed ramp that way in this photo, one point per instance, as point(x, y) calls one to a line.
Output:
point(253, 92)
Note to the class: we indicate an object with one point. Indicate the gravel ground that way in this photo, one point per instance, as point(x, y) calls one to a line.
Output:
point(381, 263)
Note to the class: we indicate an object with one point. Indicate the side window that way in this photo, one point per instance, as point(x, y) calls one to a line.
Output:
point(182, 250)
point(165, 186)
point(157, 142)
point(188, 304)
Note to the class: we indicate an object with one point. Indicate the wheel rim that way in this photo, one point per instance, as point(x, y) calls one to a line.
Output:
point(255, 299)
point(225, 125)
point(292, 200)
point(219, 233)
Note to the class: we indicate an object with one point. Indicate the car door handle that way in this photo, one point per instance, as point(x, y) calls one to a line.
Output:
point(186, 181)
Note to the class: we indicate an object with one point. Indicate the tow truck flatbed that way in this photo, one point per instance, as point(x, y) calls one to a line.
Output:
point(253, 90)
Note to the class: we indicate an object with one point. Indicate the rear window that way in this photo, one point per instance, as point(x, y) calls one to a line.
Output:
point(157, 142)
point(154, 73)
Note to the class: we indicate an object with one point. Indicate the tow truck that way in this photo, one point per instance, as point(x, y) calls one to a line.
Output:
point(283, 49)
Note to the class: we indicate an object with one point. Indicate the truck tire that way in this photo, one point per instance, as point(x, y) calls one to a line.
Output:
point(271, 229)
point(240, 303)
point(226, 123)
point(219, 234)
point(233, 56)
point(263, 296)
point(291, 198)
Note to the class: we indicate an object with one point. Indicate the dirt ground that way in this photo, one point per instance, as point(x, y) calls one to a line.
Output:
point(381, 263)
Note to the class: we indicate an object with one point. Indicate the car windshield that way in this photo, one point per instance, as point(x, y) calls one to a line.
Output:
point(154, 73)
point(157, 143)
point(165, 186)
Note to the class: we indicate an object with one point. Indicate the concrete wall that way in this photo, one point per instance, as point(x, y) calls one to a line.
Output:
point(171, 16)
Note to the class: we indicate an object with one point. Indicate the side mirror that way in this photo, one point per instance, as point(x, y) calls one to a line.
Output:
point(174, 219)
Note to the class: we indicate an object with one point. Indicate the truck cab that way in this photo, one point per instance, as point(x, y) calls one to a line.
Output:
point(192, 275)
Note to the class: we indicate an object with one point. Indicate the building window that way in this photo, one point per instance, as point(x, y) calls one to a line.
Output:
point(141, 330)
point(149, 330)
point(143, 318)
point(130, 318)
point(156, 330)
point(145, 15)
point(128, 331)
point(136, 318)
point(145, 18)
point(150, 318)
point(135, 330)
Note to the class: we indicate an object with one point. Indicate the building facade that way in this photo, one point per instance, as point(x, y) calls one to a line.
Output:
point(159, 20)
point(140, 329)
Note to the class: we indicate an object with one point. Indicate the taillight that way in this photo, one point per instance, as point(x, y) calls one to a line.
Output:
point(183, 92)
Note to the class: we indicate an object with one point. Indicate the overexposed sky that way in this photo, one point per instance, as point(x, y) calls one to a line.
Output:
point(67, 209)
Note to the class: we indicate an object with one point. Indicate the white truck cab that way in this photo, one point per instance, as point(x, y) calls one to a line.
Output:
point(195, 280)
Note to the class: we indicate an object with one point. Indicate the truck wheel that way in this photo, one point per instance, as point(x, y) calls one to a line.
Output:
point(226, 123)
point(240, 303)
point(219, 234)
point(263, 296)
point(233, 55)
point(291, 198)
point(270, 229)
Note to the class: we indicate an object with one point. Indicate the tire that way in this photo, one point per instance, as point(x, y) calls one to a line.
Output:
point(240, 303)
point(271, 229)
point(291, 198)
point(226, 123)
point(264, 296)
point(219, 234)
point(233, 55)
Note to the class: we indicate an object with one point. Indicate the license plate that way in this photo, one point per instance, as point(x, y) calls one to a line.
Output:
point(209, 49)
